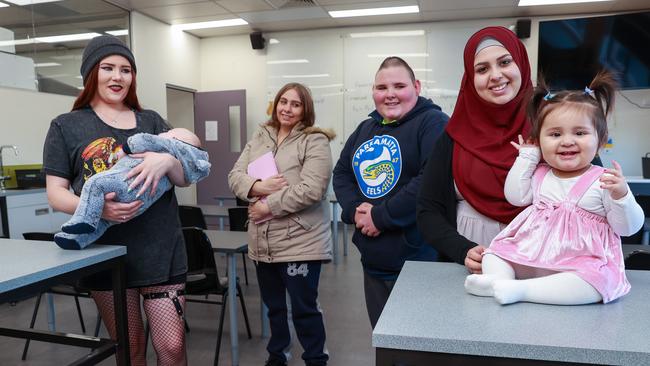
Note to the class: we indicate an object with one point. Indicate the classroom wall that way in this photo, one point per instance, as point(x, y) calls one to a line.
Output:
point(230, 63)
point(24, 122)
point(163, 56)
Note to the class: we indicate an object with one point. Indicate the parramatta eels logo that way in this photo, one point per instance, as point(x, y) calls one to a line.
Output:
point(377, 164)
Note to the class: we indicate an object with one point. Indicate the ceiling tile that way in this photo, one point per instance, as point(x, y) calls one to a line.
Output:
point(139, 4)
point(282, 15)
point(426, 5)
point(237, 6)
point(172, 12)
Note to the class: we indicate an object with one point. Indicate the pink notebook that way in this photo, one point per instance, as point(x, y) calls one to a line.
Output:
point(262, 168)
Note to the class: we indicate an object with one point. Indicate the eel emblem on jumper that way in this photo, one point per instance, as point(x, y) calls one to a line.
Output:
point(377, 164)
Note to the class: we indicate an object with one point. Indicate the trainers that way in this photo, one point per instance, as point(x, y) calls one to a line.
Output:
point(274, 362)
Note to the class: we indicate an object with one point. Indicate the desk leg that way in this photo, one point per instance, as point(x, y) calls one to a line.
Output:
point(264, 316)
point(232, 308)
point(345, 239)
point(51, 318)
point(335, 233)
point(121, 318)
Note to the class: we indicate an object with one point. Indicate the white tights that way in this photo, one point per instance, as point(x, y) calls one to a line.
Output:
point(498, 280)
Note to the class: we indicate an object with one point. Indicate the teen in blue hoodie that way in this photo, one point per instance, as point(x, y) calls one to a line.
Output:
point(377, 178)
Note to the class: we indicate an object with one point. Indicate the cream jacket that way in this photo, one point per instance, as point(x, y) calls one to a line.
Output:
point(300, 228)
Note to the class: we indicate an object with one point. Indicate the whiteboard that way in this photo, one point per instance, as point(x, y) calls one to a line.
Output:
point(322, 73)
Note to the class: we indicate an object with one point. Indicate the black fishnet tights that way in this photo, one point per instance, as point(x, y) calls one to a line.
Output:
point(166, 327)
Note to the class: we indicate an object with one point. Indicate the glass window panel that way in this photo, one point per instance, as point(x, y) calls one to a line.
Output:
point(33, 53)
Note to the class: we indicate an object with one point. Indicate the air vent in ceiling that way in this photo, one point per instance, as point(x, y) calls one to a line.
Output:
point(286, 4)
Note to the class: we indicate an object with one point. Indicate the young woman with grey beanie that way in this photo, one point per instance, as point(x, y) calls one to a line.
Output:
point(86, 141)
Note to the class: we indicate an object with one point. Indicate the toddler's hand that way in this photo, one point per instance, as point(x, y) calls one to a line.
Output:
point(522, 143)
point(614, 181)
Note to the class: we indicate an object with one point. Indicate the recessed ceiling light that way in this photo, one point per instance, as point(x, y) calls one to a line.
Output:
point(374, 11)
point(212, 24)
point(29, 2)
point(273, 41)
point(119, 32)
point(276, 62)
point(3, 5)
point(405, 33)
point(554, 2)
point(67, 37)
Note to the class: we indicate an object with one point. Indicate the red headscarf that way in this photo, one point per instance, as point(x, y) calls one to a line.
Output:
point(482, 132)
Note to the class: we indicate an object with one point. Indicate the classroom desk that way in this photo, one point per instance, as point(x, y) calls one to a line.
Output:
point(230, 243)
point(430, 319)
point(30, 267)
point(639, 185)
point(218, 211)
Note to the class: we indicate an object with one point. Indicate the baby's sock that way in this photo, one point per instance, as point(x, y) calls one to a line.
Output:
point(509, 291)
point(67, 241)
point(480, 285)
point(71, 227)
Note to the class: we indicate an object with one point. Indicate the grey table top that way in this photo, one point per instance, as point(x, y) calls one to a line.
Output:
point(429, 310)
point(24, 262)
point(215, 210)
point(228, 241)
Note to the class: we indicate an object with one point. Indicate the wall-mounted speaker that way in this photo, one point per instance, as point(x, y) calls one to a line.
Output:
point(523, 28)
point(257, 41)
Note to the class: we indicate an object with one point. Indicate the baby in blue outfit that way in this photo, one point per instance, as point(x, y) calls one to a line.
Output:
point(86, 225)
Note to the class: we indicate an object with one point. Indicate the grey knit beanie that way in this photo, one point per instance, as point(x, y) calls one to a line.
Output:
point(101, 47)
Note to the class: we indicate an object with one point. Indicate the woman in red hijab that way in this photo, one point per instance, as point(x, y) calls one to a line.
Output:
point(461, 205)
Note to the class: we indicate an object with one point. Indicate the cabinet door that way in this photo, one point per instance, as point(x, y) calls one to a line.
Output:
point(57, 218)
point(29, 218)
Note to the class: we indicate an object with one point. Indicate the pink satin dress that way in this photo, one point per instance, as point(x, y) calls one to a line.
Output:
point(561, 236)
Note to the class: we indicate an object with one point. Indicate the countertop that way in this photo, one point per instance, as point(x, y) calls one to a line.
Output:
point(18, 192)
point(429, 310)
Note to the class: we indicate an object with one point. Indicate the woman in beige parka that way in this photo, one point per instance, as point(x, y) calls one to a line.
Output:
point(290, 247)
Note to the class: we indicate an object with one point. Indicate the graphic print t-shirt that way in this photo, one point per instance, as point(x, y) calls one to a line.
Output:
point(79, 145)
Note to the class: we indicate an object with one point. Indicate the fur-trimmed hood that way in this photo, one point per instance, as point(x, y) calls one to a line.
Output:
point(331, 135)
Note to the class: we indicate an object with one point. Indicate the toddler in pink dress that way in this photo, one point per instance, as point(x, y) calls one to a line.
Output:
point(565, 248)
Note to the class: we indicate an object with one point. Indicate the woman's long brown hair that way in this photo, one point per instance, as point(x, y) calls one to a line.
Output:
point(90, 89)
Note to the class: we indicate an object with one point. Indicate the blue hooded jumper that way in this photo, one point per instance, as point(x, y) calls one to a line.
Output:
point(381, 164)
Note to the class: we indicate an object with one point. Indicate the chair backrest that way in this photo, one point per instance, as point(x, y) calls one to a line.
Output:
point(644, 202)
point(192, 216)
point(200, 261)
point(39, 236)
point(238, 218)
point(638, 259)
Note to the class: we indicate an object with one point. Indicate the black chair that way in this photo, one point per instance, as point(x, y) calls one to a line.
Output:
point(203, 279)
point(238, 221)
point(192, 216)
point(638, 259)
point(65, 289)
point(240, 202)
